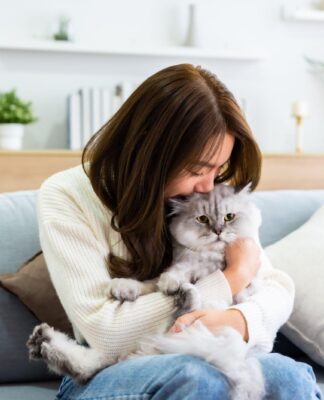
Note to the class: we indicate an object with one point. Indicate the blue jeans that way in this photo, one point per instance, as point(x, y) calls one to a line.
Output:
point(179, 377)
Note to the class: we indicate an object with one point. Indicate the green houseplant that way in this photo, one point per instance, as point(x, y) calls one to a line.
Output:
point(63, 32)
point(14, 115)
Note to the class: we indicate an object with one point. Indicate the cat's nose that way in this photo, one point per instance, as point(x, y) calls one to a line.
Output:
point(217, 230)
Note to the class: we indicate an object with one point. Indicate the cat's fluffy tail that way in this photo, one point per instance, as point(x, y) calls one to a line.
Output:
point(225, 350)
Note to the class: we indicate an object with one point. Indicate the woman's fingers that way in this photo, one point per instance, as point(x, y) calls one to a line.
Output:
point(185, 320)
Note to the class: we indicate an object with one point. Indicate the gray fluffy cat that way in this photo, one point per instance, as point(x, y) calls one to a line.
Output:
point(201, 225)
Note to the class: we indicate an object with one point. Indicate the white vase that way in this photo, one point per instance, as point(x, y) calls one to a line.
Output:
point(193, 38)
point(11, 136)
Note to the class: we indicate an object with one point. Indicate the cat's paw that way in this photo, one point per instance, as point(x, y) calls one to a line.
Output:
point(169, 284)
point(187, 299)
point(41, 334)
point(53, 347)
point(124, 289)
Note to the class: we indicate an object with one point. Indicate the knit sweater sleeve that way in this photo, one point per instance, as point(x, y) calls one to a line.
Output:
point(75, 257)
point(269, 308)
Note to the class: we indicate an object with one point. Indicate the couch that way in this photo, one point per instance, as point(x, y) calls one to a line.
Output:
point(283, 212)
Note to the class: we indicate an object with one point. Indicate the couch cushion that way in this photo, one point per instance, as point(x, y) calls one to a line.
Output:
point(32, 284)
point(16, 324)
point(19, 241)
point(30, 391)
point(301, 255)
point(18, 229)
point(283, 211)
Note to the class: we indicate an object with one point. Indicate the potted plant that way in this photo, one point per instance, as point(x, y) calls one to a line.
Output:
point(64, 31)
point(14, 115)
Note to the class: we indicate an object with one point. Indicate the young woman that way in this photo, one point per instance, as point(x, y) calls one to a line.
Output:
point(180, 132)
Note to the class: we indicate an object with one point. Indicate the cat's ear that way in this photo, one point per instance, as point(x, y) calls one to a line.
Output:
point(176, 205)
point(244, 190)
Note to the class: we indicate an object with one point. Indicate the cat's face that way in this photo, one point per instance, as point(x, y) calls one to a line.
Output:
point(214, 218)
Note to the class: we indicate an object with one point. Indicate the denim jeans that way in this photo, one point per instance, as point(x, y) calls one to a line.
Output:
point(179, 377)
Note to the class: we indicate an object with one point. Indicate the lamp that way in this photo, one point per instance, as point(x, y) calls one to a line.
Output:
point(299, 112)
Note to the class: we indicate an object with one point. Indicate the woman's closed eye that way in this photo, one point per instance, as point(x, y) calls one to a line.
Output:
point(197, 174)
point(193, 173)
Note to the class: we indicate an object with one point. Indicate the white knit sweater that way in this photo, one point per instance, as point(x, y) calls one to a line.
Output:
point(76, 236)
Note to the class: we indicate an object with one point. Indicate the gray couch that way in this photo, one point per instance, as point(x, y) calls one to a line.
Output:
point(283, 211)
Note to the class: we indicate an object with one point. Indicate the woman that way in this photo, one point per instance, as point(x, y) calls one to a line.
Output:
point(180, 132)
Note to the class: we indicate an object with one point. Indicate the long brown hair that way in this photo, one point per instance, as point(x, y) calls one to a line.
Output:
point(163, 127)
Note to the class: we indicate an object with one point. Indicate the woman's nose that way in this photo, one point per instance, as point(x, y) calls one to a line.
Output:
point(205, 185)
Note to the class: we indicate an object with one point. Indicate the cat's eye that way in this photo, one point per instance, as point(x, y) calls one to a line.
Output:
point(203, 219)
point(229, 217)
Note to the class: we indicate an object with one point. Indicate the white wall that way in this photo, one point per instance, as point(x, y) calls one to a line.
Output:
point(269, 86)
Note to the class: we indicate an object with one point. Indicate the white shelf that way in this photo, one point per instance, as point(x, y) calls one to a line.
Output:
point(176, 51)
point(303, 14)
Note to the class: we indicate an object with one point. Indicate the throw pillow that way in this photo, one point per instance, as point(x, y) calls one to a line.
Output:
point(301, 255)
point(33, 286)
point(16, 324)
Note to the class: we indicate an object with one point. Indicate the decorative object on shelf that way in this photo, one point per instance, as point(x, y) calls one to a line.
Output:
point(193, 38)
point(14, 114)
point(63, 30)
point(117, 98)
point(91, 107)
point(299, 112)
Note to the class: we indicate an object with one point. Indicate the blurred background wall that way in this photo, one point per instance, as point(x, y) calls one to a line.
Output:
point(268, 86)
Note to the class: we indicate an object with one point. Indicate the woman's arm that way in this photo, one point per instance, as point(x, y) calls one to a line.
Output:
point(243, 261)
point(258, 318)
point(270, 307)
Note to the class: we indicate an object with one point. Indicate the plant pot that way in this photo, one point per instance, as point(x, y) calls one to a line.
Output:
point(11, 136)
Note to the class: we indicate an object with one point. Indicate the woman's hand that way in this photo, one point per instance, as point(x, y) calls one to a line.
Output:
point(213, 319)
point(243, 260)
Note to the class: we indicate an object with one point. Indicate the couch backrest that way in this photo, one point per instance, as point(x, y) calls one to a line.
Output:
point(18, 229)
point(282, 211)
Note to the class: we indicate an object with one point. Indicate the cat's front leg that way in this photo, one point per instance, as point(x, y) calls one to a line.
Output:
point(171, 281)
point(129, 289)
point(64, 355)
point(187, 299)
point(177, 284)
